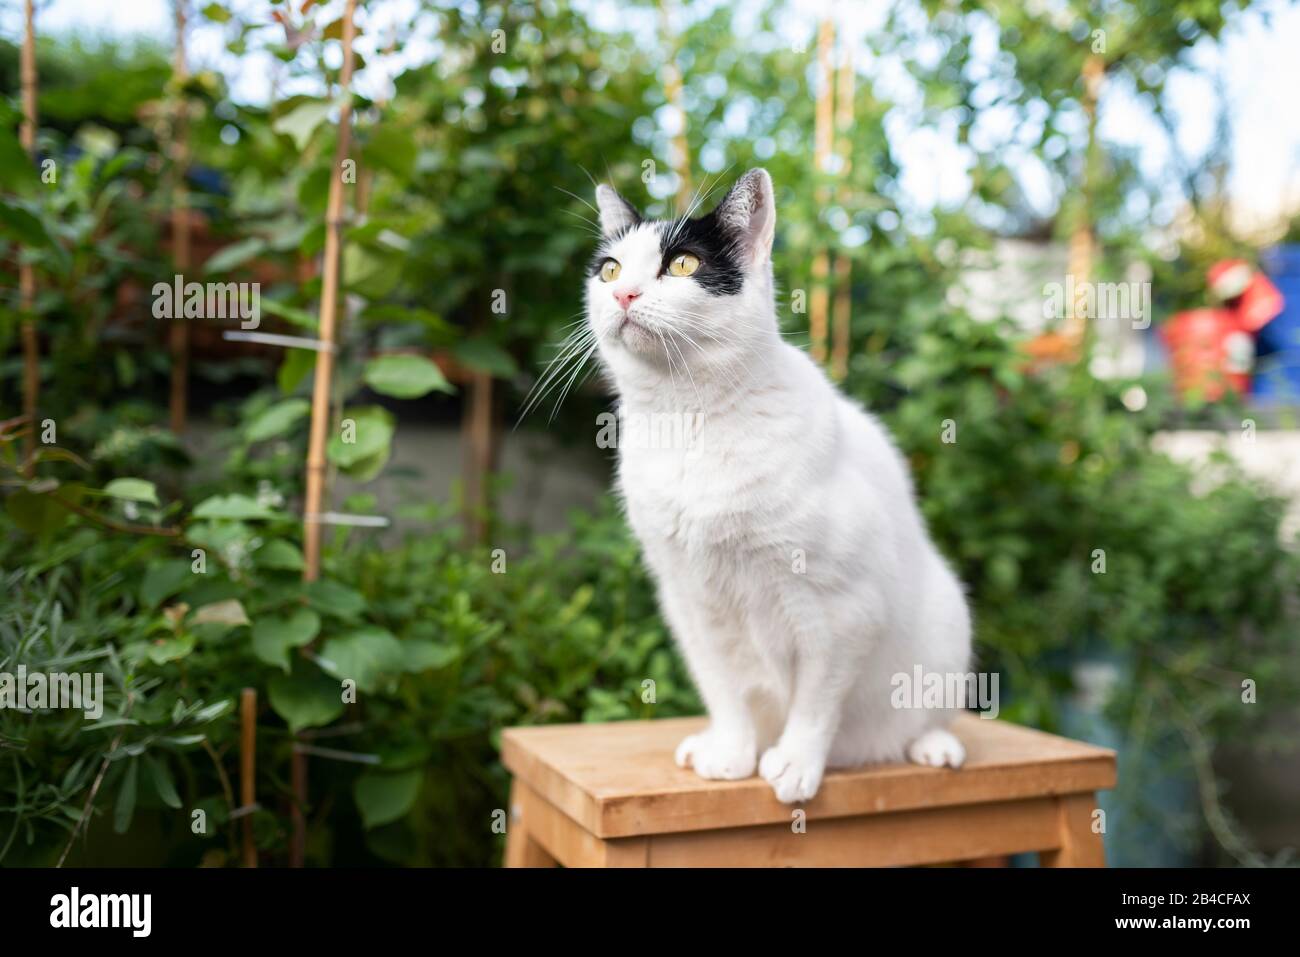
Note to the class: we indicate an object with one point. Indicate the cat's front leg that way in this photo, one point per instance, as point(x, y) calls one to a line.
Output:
point(728, 749)
point(823, 675)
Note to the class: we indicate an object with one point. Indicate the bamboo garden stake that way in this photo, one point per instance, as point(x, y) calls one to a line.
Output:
point(1081, 240)
point(842, 318)
point(478, 429)
point(26, 276)
point(321, 388)
point(673, 95)
point(179, 332)
point(248, 770)
point(329, 302)
point(822, 141)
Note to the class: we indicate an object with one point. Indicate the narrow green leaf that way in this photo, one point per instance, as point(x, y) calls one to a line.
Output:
point(124, 810)
point(162, 781)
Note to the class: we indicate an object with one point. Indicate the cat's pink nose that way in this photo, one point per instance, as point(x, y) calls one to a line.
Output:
point(624, 297)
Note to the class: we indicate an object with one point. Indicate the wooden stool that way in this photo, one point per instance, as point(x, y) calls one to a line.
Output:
point(609, 795)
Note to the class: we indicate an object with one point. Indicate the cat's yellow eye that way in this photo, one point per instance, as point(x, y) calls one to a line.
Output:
point(683, 265)
point(610, 270)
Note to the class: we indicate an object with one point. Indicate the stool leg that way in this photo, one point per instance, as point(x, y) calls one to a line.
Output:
point(1079, 846)
point(521, 849)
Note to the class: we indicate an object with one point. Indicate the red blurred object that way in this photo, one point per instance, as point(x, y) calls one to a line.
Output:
point(1213, 350)
point(1246, 291)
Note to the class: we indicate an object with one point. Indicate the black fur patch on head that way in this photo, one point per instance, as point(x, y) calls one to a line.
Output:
point(705, 238)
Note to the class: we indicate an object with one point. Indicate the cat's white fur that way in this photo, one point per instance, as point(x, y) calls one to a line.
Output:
point(792, 562)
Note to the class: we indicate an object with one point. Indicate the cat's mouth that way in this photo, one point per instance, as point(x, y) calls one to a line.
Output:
point(625, 321)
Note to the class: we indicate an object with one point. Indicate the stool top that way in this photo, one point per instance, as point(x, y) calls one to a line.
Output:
point(619, 780)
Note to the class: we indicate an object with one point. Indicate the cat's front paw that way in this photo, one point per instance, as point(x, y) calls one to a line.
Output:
point(795, 776)
point(937, 748)
point(716, 758)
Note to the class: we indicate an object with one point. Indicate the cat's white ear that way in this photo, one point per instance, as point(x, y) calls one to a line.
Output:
point(616, 213)
point(748, 212)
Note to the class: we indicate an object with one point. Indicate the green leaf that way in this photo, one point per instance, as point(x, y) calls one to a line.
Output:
point(279, 555)
point(403, 755)
point(437, 331)
point(274, 635)
point(132, 490)
point(371, 272)
point(405, 376)
point(184, 740)
point(277, 419)
point(299, 317)
point(368, 468)
point(234, 255)
point(162, 580)
point(23, 226)
point(35, 514)
point(162, 781)
point(384, 796)
point(306, 699)
point(295, 367)
point(365, 655)
point(332, 598)
point(390, 148)
point(426, 655)
point(99, 141)
point(212, 712)
point(236, 507)
point(363, 434)
point(17, 171)
point(216, 13)
point(486, 356)
point(301, 122)
point(229, 612)
point(171, 649)
point(125, 807)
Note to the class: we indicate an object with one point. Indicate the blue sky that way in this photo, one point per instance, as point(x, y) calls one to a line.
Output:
point(1257, 62)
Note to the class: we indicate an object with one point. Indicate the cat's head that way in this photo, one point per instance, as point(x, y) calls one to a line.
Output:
point(683, 289)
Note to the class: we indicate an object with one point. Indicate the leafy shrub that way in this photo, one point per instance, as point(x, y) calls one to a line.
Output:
point(444, 651)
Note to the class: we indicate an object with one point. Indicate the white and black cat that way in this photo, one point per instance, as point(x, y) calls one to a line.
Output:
point(792, 562)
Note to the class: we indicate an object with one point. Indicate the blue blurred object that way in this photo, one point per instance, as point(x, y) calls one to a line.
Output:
point(1277, 373)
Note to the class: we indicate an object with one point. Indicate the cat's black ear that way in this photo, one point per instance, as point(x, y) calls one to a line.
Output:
point(616, 213)
point(748, 213)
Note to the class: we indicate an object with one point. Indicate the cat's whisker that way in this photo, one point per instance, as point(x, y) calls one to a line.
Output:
point(571, 346)
point(687, 366)
point(701, 196)
point(591, 227)
point(579, 198)
point(577, 368)
point(545, 385)
point(563, 381)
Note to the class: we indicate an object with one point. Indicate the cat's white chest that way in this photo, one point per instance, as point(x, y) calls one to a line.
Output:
point(693, 503)
point(668, 499)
